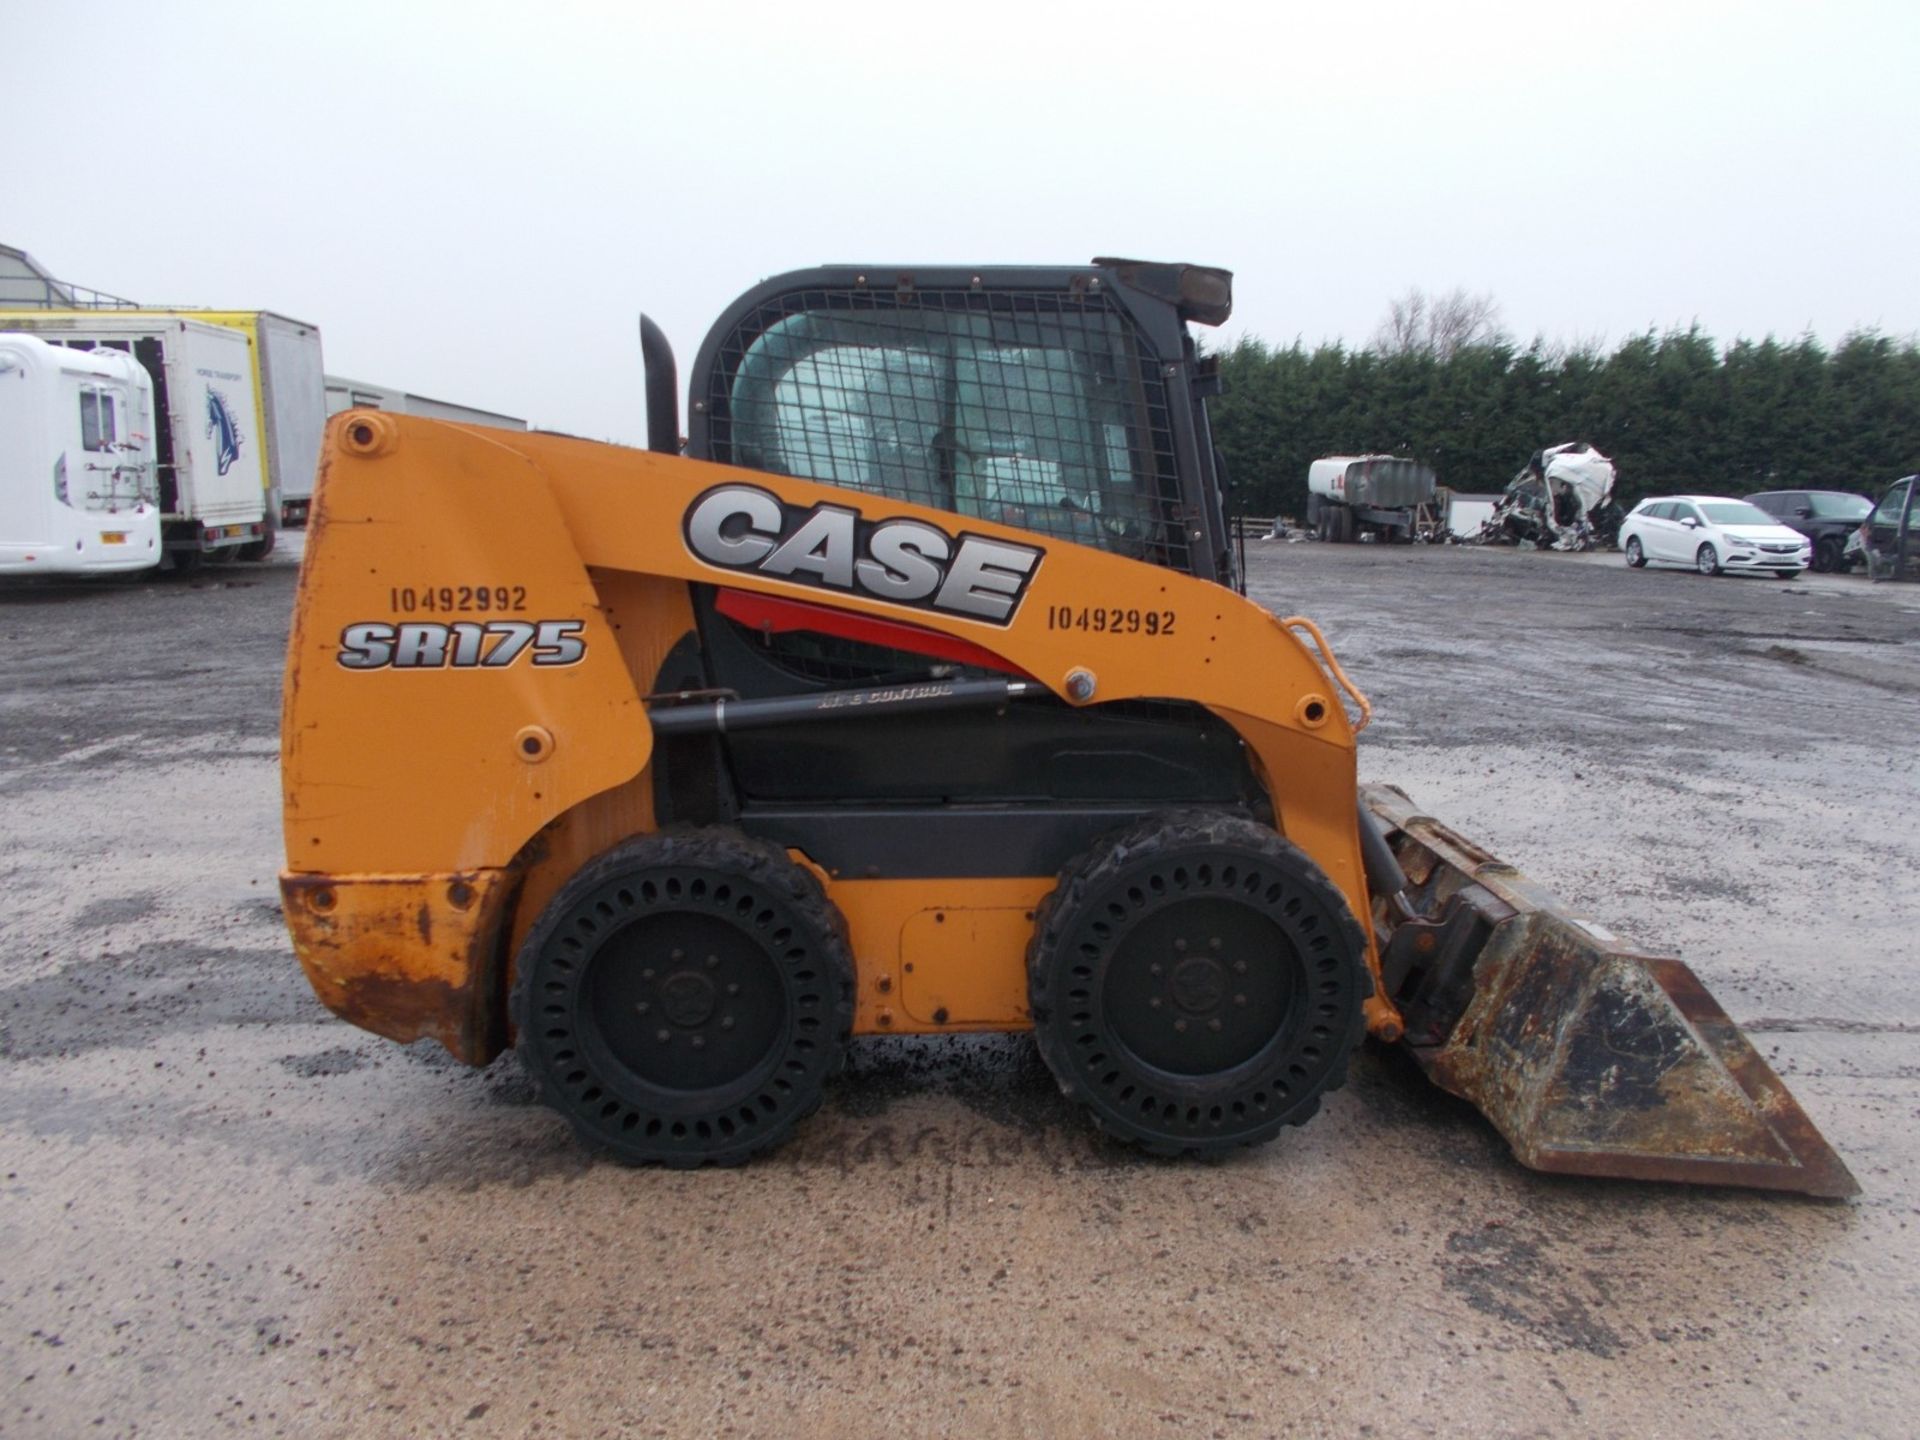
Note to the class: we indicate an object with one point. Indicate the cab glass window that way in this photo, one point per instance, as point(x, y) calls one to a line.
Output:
point(1038, 420)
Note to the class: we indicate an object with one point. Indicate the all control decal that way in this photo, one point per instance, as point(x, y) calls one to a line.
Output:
point(494, 645)
point(831, 547)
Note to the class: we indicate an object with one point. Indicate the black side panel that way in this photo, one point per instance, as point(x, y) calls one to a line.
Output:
point(1037, 752)
point(1015, 790)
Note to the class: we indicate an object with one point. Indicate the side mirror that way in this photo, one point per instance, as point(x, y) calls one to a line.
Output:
point(1691, 523)
point(1802, 513)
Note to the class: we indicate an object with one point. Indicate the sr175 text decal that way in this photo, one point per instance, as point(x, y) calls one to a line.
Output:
point(832, 547)
point(494, 645)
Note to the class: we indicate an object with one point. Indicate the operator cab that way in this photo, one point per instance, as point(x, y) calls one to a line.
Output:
point(1068, 402)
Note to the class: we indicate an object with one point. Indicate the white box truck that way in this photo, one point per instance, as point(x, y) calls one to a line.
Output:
point(212, 441)
point(345, 394)
point(78, 489)
point(289, 402)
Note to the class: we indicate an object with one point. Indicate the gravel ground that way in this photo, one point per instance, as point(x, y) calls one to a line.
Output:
point(226, 1211)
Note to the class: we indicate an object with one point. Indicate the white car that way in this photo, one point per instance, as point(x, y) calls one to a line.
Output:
point(1714, 535)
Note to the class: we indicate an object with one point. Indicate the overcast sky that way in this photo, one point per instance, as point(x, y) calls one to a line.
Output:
point(473, 201)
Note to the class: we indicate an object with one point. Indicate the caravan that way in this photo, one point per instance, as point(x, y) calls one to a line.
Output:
point(78, 485)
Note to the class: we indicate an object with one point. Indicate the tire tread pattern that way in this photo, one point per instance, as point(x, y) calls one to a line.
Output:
point(760, 863)
point(1059, 913)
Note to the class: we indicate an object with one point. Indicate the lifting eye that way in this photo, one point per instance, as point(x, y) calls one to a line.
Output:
point(369, 435)
point(1312, 711)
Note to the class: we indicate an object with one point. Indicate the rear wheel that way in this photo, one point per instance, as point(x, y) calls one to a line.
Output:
point(684, 999)
point(1707, 560)
point(1636, 557)
point(1196, 983)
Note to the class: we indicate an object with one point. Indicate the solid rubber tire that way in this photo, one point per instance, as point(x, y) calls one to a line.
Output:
point(1071, 970)
point(747, 885)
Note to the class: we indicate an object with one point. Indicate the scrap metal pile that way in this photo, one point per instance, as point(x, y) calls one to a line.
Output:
point(1562, 499)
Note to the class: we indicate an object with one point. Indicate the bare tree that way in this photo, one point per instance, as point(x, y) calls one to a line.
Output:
point(1438, 325)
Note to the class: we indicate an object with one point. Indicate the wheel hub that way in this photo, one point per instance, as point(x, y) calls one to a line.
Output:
point(687, 998)
point(1198, 985)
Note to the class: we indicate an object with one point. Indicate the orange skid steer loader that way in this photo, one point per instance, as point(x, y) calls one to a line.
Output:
point(917, 697)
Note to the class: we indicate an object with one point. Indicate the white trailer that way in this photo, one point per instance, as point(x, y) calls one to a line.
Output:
point(289, 402)
point(345, 394)
point(211, 466)
point(78, 489)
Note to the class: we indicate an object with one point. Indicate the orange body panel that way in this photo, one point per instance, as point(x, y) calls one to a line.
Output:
point(530, 767)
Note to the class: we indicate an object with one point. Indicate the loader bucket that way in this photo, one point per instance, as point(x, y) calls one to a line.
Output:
point(1589, 1058)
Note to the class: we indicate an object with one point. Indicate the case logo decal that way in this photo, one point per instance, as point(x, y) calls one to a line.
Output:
point(832, 547)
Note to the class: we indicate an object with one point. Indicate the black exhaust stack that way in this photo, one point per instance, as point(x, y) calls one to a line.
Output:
point(663, 389)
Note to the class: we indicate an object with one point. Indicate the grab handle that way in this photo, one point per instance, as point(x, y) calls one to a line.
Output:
point(1332, 667)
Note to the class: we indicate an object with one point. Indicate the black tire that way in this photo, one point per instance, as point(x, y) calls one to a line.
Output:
point(1707, 560)
point(257, 550)
point(1636, 554)
point(684, 999)
point(1786, 574)
point(1196, 983)
point(1828, 555)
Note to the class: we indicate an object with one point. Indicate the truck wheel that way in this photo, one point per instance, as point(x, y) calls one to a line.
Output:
point(260, 549)
point(684, 999)
point(1196, 983)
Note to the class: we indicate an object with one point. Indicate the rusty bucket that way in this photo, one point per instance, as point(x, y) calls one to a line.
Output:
point(1589, 1058)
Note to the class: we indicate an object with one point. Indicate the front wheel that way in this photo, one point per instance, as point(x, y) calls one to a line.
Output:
point(1196, 983)
point(1828, 555)
point(1707, 560)
point(1636, 557)
point(1786, 574)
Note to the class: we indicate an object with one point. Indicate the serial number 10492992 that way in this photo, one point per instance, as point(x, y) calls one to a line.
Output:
point(458, 599)
point(1110, 619)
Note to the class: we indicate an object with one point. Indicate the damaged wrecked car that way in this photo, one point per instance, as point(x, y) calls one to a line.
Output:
point(1562, 499)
